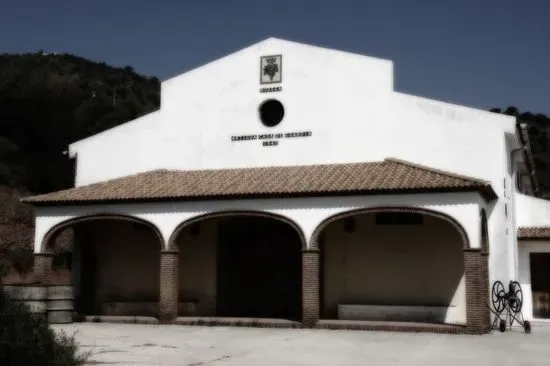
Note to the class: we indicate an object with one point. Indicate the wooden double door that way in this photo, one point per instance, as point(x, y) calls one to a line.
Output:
point(259, 269)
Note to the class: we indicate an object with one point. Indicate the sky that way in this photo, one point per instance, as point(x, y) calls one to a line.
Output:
point(479, 53)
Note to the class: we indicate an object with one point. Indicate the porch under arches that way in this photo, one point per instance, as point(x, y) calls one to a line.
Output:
point(239, 265)
point(115, 265)
point(218, 237)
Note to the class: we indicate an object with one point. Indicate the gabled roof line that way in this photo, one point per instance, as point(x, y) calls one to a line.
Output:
point(381, 177)
point(437, 171)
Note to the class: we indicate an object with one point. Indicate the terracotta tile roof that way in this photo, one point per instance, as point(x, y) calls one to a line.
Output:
point(539, 232)
point(388, 176)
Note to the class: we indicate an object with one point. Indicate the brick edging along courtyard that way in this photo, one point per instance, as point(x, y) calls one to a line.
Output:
point(281, 323)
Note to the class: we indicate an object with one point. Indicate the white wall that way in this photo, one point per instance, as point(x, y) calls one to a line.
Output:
point(347, 102)
point(116, 151)
point(307, 213)
point(356, 270)
point(464, 141)
point(323, 90)
point(532, 211)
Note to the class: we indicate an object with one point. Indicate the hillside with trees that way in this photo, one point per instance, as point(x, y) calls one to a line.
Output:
point(539, 137)
point(48, 101)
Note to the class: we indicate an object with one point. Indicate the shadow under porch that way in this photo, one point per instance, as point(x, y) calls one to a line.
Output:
point(239, 267)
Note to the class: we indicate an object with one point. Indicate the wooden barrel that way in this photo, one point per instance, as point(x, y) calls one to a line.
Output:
point(60, 305)
point(541, 304)
point(33, 296)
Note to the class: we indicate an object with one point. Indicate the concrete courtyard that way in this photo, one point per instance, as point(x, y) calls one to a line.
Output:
point(134, 344)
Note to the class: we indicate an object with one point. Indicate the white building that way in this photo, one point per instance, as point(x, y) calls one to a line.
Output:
point(287, 181)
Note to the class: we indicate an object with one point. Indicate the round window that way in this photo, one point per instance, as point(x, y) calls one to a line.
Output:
point(271, 112)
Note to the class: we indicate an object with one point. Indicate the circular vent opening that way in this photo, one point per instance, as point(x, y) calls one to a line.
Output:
point(271, 112)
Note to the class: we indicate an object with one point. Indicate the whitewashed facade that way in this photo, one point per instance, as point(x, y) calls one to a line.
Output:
point(344, 109)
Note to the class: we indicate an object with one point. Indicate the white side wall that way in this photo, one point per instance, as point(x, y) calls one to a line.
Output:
point(532, 211)
point(464, 141)
point(100, 155)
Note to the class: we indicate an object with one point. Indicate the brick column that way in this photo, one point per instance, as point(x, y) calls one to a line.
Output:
point(486, 294)
point(42, 269)
point(476, 291)
point(169, 276)
point(310, 287)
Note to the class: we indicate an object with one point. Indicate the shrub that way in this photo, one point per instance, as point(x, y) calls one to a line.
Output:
point(21, 258)
point(26, 339)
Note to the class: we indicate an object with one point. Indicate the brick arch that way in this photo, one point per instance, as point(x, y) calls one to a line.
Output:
point(484, 231)
point(212, 215)
point(44, 245)
point(314, 242)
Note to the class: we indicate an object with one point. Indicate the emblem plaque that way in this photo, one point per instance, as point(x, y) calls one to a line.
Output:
point(271, 69)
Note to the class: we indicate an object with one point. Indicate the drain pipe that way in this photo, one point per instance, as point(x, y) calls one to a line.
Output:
point(513, 188)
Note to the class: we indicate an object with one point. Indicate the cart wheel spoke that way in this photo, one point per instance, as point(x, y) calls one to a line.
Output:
point(516, 302)
point(497, 296)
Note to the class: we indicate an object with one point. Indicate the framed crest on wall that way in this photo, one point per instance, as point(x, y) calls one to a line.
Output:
point(271, 69)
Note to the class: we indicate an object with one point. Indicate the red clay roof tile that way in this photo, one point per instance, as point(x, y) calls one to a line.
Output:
point(390, 175)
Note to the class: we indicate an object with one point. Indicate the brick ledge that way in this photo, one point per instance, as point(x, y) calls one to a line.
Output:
point(402, 327)
point(388, 326)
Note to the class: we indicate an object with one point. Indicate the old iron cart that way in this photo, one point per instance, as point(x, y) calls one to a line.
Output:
point(509, 303)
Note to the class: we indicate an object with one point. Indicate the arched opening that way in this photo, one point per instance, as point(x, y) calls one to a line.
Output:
point(239, 265)
point(385, 264)
point(115, 264)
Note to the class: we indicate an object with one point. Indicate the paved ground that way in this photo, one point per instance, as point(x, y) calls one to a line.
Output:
point(132, 344)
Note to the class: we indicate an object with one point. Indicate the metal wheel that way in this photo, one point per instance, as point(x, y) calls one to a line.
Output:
point(516, 298)
point(497, 296)
point(527, 326)
point(502, 325)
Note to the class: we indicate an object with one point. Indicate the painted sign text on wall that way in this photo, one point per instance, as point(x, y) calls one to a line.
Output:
point(272, 89)
point(270, 139)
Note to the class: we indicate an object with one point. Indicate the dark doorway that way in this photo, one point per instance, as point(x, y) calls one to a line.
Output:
point(86, 267)
point(259, 269)
point(540, 284)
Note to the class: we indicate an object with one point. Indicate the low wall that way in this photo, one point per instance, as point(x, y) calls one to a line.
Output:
point(427, 314)
point(126, 308)
point(56, 277)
